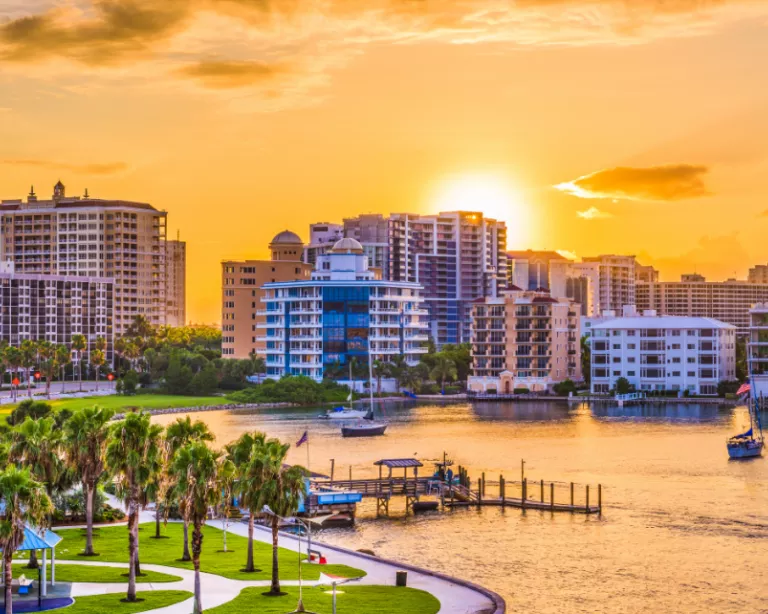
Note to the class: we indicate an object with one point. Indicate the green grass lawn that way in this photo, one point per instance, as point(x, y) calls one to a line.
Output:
point(112, 545)
point(88, 573)
point(349, 600)
point(112, 603)
point(120, 402)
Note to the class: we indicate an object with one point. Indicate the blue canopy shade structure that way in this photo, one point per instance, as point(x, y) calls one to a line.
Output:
point(48, 540)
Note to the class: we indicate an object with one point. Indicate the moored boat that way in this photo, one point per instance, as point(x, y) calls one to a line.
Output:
point(363, 429)
point(749, 444)
point(343, 413)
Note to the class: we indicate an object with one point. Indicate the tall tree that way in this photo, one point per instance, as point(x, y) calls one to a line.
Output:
point(15, 360)
point(63, 358)
point(247, 456)
point(282, 489)
point(196, 471)
point(97, 359)
point(86, 435)
point(134, 455)
point(24, 502)
point(444, 369)
point(47, 353)
point(78, 345)
point(29, 360)
point(177, 435)
point(380, 370)
point(119, 351)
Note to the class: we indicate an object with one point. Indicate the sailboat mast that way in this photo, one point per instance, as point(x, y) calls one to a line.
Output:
point(370, 374)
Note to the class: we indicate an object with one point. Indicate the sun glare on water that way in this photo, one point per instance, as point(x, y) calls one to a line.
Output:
point(494, 196)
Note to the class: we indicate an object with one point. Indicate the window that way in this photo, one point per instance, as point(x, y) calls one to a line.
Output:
point(617, 373)
point(616, 359)
point(616, 346)
point(691, 373)
point(631, 359)
point(630, 333)
point(691, 346)
point(630, 374)
point(631, 346)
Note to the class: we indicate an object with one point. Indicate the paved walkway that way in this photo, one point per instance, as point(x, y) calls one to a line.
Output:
point(454, 597)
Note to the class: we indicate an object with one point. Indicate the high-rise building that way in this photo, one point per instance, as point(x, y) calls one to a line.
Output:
point(758, 274)
point(757, 350)
point(728, 301)
point(344, 311)
point(646, 273)
point(242, 293)
point(322, 237)
point(39, 306)
point(616, 280)
point(524, 339)
point(176, 295)
point(456, 257)
point(674, 353)
point(372, 232)
point(530, 269)
point(91, 237)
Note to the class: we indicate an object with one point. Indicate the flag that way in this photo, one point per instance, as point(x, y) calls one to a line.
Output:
point(744, 388)
point(304, 439)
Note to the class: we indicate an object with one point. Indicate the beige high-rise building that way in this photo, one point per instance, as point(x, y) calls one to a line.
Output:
point(524, 339)
point(241, 289)
point(176, 300)
point(92, 237)
point(617, 281)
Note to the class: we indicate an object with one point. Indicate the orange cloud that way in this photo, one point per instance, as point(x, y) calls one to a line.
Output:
point(659, 183)
point(230, 74)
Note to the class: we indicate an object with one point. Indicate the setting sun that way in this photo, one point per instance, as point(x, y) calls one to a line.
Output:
point(494, 196)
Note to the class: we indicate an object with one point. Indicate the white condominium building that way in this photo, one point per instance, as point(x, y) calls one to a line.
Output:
point(616, 281)
point(757, 349)
point(672, 353)
point(345, 311)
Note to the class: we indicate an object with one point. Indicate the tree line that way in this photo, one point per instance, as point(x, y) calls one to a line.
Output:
point(174, 468)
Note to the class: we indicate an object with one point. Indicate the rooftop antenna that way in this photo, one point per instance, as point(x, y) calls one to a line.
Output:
point(86, 193)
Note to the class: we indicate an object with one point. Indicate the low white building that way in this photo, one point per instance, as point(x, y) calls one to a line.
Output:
point(673, 353)
point(757, 349)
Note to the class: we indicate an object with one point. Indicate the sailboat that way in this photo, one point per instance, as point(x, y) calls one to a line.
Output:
point(367, 427)
point(344, 413)
point(750, 443)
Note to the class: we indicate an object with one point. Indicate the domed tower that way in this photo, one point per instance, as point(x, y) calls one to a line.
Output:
point(59, 191)
point(286, 245)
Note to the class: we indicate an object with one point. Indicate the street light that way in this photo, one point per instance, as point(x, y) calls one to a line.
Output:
point(267, 510)
point(335, 583)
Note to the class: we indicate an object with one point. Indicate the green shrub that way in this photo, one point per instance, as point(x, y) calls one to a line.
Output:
point(521, 391)
point(564, 388)
point(490, 391)
point(297, 389)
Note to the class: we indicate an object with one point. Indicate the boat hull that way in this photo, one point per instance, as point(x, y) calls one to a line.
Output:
point(748, 449)
point(366, 430)
point(352, 414)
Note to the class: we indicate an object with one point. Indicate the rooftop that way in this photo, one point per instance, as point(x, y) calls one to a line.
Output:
point(399, 463)
point(662, 322)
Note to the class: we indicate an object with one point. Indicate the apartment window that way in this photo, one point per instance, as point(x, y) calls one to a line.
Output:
point(675, 373)
point(616, 359)
point(616, 346)
point(675, 333)
point(630, 333)
point(691, 346)
point(630, 374)
point(617, 373)
point(631, 359)
point(631, 346)
point(691, 373)
point(691, 360)
point(676, 360)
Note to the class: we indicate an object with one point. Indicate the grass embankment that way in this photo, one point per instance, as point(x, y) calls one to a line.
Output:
point(89, 573)
point(120, 403)
point(349, 599)
point(112, 603)
point(111, 543)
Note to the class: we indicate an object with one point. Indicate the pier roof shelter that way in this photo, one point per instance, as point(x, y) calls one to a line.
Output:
point(47, 541)
point(399, 463)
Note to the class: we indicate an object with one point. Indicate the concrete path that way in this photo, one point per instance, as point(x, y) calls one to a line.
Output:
point(454, 597)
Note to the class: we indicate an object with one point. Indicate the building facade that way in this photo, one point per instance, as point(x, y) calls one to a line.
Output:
point(757, 350)
point(617, 278)
point(524, 340)
point(758, 274)
point(532, 270)
point(176, 295)
point(456, 257)
point(342, 312)
point(727, 301)
point(242, 293)
point(56, 307)
point(663, 353)
point(91, 237)
point(372, 232)
point(322, 237)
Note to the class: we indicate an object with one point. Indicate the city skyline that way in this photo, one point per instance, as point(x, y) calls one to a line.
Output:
point(588, 127)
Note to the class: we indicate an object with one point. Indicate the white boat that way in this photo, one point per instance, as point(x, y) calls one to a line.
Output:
point(749, 444)
point(344, 413)
point(366, 427)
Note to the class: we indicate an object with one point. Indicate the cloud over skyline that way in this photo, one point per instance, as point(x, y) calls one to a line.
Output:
point(658, 183)
point(107, 168)
point(593, 213)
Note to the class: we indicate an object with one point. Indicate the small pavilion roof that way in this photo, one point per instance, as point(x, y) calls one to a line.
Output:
point(34, 541)
point(399, 463)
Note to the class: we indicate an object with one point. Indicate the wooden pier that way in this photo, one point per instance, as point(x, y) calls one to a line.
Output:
point(462, 492)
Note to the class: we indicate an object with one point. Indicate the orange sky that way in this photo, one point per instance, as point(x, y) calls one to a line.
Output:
point(243, 118)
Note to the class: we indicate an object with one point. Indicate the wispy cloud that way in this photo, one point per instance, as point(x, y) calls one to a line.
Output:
point(657, 183)
point(593, 213)
point(109, 168)
point(216, 74)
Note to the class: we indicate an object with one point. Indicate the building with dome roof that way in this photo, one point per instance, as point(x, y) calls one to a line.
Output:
point(344, 311)
point(242, 293)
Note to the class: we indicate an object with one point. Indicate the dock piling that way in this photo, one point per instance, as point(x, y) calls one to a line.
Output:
point(525, 492)
point(586, 507)
point(552, 496)
point(542, 491)
point(479, 490)
point(600, 499)
point(571, 494)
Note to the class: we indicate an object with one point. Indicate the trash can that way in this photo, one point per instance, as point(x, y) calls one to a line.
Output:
point(401, 578)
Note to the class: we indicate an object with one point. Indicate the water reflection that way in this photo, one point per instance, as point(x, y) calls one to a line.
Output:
point(672, 412)
point(523, 411)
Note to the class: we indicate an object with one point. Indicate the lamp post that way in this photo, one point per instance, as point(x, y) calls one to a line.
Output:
point(267, 510)
point(334, 584)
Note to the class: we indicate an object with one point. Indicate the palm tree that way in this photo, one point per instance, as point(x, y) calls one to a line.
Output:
point(134, 457)
point(282, 489)
point(29, 360)
point(3, 360)
point(119, 351)
point(196, 471)
point(25, 502)
point(178, 434)
point(443, 369)
point(246, 455)
point(63, 358)
point(131, 352)
point(97, 359)
point(380, 370)
point(36, 445)
point(78, 345)
point(14, 359)
point(47, 353)
point(86, 435)
point(397, 369)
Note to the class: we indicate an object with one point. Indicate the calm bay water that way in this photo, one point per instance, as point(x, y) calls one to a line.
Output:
point(683, 529)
